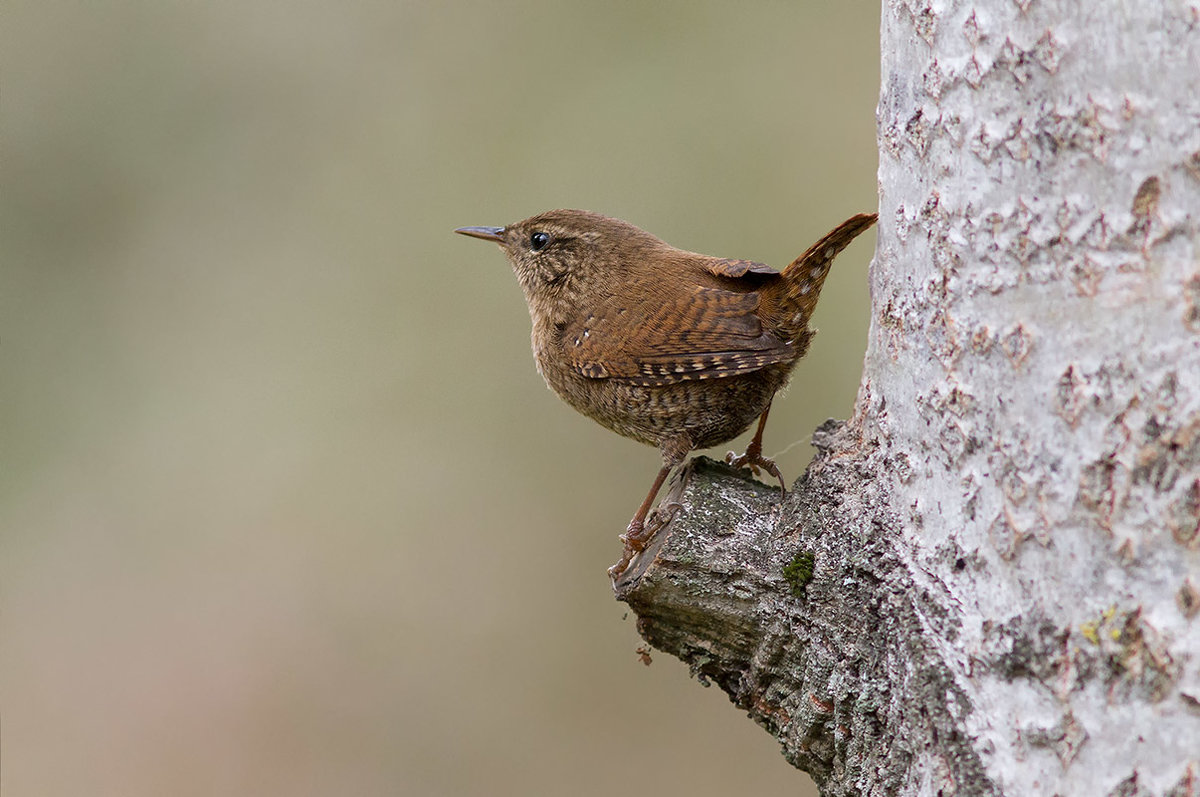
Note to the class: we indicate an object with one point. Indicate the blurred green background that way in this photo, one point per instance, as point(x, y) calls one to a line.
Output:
point(284, 506)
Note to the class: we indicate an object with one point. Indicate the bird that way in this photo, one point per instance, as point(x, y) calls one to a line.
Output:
point(674, 349)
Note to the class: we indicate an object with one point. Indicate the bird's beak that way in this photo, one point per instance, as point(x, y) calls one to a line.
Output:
point(486, 233)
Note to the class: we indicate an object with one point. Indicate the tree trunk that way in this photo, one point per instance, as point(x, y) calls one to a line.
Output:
point(988, 580)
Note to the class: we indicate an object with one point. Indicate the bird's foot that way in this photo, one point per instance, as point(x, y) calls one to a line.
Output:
point(753, 459)
point(639, 533)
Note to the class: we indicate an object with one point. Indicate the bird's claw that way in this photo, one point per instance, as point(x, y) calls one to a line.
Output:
point(753, 460)
point(739, 461)
point(639, 534)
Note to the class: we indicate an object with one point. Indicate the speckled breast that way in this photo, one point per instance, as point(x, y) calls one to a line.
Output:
point(709, 411)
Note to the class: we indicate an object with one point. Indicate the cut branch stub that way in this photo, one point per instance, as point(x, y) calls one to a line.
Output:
point(810, 624)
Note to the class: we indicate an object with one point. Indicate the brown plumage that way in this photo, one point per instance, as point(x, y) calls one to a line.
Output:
point(678, 350)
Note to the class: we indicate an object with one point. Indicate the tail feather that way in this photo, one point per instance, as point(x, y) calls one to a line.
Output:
point(805, 276)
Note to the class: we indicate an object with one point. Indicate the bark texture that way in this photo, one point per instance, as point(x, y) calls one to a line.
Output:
point(988, 582)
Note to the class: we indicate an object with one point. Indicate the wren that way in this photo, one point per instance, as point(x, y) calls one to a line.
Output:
point(675, 349)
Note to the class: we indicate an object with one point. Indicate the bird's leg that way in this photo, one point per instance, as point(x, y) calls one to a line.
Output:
point(639, 533)
point(636, 536)
point(753, 458)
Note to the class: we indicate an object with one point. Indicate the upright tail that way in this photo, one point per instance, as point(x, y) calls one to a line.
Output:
point(806, 274)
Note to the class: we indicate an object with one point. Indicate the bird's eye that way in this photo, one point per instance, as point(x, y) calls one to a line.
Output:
point(538, 241)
